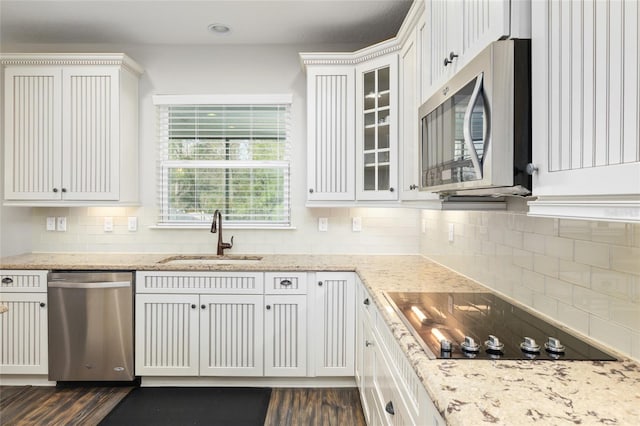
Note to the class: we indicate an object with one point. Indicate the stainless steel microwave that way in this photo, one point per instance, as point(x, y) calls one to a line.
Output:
point(476, 129)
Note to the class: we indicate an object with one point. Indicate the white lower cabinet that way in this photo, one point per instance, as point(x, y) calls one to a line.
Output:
point(199, 324)
point(167, 327)
point(23, 324)
point(333, 327)
point(227, 326)
point(390, 391)
point(285, 335)
point(231, 335)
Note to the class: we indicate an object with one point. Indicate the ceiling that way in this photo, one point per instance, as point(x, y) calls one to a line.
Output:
point(174, 22)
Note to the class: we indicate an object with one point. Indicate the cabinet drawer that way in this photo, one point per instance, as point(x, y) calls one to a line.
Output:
point(393, 407)
point(285, 282)
point(200, 282)
point(409, 384)
point(23, 281)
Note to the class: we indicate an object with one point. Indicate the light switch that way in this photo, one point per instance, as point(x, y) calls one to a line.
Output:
point(132, 223)
point(61, 224)
point(323, 224)
point(51, 223)
point(356, 224)
point(108, 224)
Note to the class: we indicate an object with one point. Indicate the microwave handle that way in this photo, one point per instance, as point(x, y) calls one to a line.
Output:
point(466, 127)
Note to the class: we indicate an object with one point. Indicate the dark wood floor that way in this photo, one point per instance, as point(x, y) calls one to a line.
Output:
point(47, 405)
point(34, 405)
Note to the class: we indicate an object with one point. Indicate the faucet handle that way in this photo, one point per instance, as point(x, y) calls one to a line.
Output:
point(227, 245)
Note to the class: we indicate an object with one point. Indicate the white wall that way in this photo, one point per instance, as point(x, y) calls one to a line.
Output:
point(584, 274)
point(221, 70)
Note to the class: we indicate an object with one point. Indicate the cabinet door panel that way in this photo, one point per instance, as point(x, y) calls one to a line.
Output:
point(377, 129)
point(464, 28)
point(330, 133)
point(231, 335)
point(334, 325)
point(91, 133)
point(33, 133)
point(23, 333)
point(285, 330)
point(166, 335)
point(585, 106)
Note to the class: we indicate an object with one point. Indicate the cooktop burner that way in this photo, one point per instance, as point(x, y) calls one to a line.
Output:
point(485, 326)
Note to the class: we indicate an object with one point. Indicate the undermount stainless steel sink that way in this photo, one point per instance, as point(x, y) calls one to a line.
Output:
point(209, 260)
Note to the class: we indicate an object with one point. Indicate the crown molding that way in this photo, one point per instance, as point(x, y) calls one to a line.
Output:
point(64, 59)
point(350, 58)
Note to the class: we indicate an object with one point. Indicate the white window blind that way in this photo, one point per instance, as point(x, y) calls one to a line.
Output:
point(227, 156)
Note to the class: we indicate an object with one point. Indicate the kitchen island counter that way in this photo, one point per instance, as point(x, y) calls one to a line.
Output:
point(466, 392)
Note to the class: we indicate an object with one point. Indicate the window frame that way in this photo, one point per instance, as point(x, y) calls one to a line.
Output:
point(164, 165)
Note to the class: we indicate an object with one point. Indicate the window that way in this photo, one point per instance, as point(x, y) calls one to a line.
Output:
point(229, 153)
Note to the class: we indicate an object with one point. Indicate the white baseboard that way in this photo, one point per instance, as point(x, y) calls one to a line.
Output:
point(274, 382)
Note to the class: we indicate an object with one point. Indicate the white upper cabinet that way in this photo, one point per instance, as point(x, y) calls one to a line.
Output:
point(70, 129)
point(330, 133)
point(459, 29)
point(352, 110)
point(377, 129)
point(586, 140)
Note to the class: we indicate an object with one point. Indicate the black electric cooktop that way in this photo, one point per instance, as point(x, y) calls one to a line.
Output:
point(485, 326)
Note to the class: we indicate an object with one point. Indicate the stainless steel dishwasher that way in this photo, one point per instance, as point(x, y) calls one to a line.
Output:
point(90, 326)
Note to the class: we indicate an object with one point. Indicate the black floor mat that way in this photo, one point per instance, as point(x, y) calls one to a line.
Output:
point(191, 406)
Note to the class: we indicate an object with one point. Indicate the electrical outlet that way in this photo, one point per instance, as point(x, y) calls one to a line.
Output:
point(356, 224)
point(108, 224)
point(132, 223)
point(451, 232)
point(61, 224)
point(51, 223)
point(323, 224)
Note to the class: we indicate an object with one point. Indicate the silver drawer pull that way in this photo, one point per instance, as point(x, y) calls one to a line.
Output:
point(7, 280)
point(285, 283)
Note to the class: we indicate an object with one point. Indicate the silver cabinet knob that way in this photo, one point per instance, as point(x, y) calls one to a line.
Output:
point(531, 169)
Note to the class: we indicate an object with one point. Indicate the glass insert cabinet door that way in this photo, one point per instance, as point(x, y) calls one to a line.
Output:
point(378, 147)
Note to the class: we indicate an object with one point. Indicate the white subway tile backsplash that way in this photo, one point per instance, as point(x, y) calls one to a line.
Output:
point(613, 233)
point(592, 302)
point(575, 273)
point(546, 265)
point(514, 239)
point(584, 274)
point(613, 283)
point(611, 334)
point(625, 313)
point(523, 259)
point(561, 248)
point(625, 259)
point(545, 226)
point(558, 289)
point(533, 281)
point(574, 229)
point(575, 318)
point(534, 243)
point(589, 253)
point(546, 305)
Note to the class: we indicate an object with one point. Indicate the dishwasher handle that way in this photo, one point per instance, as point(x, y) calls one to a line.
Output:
point(104, 284)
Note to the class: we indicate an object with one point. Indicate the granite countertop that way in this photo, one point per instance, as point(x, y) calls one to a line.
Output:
point(466, 392)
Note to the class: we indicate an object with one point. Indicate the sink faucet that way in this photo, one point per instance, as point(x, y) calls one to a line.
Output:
point(217, 218)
